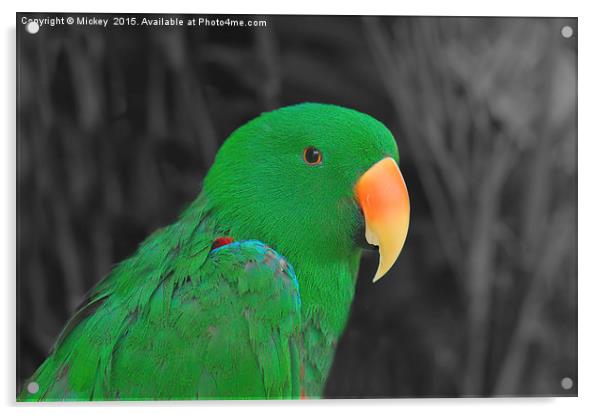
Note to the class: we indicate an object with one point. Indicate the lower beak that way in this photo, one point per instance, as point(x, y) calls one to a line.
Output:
point(383, 197)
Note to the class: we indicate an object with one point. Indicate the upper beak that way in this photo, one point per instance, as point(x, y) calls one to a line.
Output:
point(383, 197)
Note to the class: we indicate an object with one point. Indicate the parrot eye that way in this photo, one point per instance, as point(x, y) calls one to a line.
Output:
point(312, 156)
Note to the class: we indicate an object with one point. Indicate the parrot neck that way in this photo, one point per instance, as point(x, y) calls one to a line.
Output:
point(327, 292)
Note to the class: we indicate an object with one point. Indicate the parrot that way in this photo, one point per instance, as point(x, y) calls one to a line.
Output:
point(247, 293)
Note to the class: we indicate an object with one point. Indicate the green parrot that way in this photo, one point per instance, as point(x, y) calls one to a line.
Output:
point(246, 294)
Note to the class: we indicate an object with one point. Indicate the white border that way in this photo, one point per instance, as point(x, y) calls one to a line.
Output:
point(590, 208)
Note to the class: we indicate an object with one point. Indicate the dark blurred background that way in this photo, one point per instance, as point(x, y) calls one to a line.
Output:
point(117, 128)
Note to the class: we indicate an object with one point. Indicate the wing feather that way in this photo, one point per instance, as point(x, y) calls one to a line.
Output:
point(226, 327)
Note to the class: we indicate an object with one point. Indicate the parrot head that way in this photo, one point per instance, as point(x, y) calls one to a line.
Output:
point(308, 180)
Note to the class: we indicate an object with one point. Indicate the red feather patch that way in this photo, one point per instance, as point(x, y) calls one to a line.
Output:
point(302, 376)
point(221, 241)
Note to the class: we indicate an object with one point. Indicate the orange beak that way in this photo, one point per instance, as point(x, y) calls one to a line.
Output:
point(383, 196)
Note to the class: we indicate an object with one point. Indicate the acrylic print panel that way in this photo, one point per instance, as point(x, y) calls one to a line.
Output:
point(204, 202)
